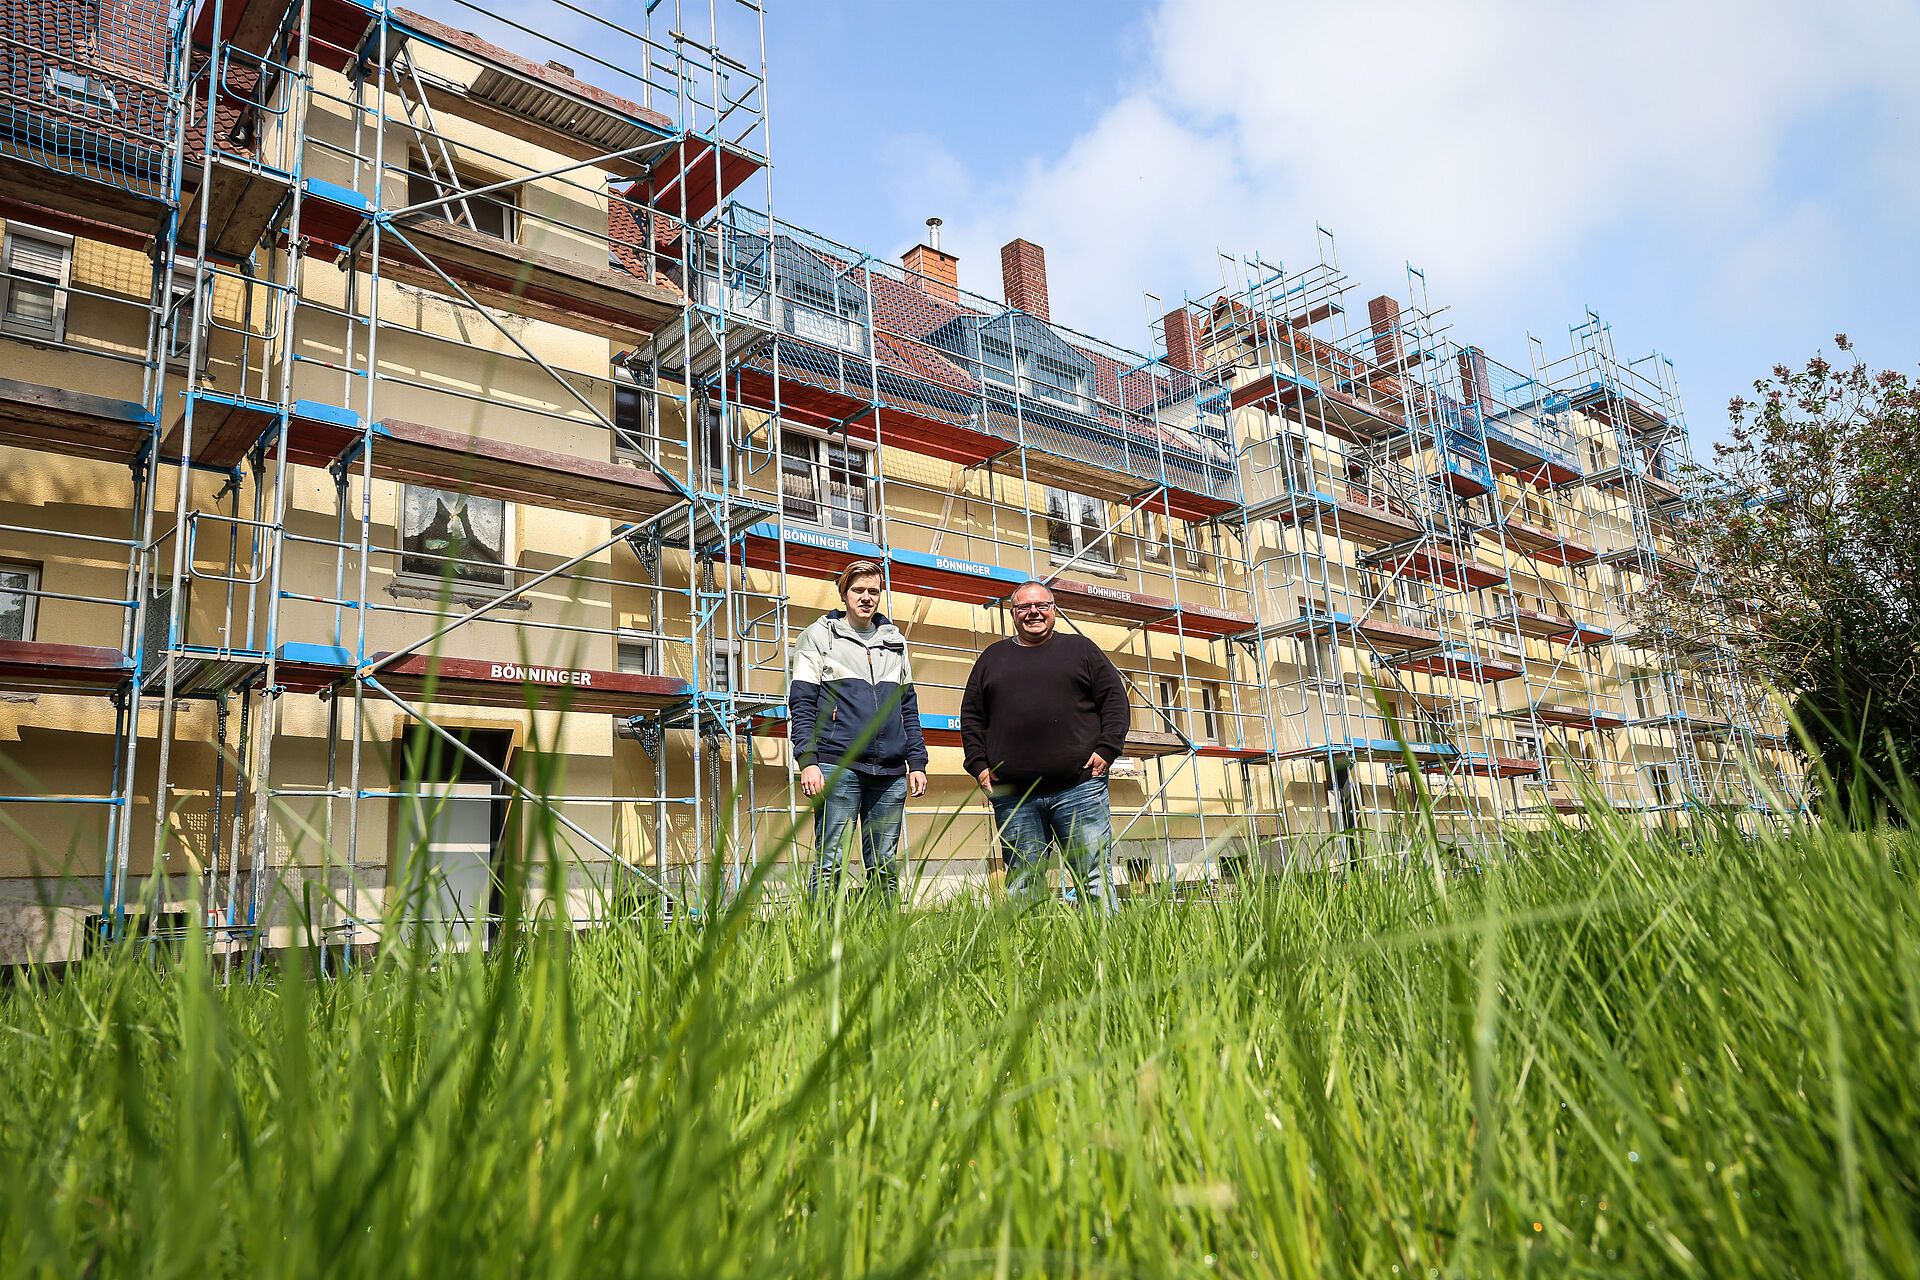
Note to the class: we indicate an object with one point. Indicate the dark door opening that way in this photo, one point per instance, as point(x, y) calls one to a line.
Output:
point(453, 818)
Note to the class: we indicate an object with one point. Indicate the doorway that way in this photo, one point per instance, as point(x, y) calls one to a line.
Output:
point(450, 850)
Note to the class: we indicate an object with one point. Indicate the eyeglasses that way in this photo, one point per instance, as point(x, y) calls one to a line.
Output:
point(1036, 606)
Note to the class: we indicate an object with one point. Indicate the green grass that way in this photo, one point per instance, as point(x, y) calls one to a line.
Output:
point(1606, 1057)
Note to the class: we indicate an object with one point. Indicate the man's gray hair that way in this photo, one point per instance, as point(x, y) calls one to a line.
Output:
point(1032, 582)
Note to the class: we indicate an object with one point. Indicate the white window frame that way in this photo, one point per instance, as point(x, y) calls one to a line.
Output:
point(823, 316)
point(508, 556)
point(179, 293)
point(1532, 745)
point(1066, 385)
point(1210, 712)
point(1202, 560)
point(1642, 693)
point(89, 93)
point(710, 444)
point(717, 651)
point(821, 476)
point(30, 616)
point(1322, 662)
point(56, 331)
point(506, 199)
point(623, 451)
point(1082, 521)
point(1172, 710)
point(1152, 540)
point(631, 638)
point(1296, 462)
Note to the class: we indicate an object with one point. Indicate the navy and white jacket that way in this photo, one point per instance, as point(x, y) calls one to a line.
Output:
point(842, 686)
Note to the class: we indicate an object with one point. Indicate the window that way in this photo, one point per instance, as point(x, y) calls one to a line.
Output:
point(494, 214)
point(1209, 713)
point(1055, 380)
point(453, 534)
point(632, 421)
point(815, 312)
point(1077, 526)
point(17, 601)
point(182, 317)
point(1298, 464)
point(37, 265)
point(1203, 548)
point(712, 444)
point(1662, 776)
point(1403, 601)
point(996, 356)
point(633, 652)
point(1640, 688)
point(82, 92)
point(723, 666)
point(1321, 658)
point(1170, 705)
point(825, 482)
point(1152, 538)
point(1531, 748)
point(1596, 454)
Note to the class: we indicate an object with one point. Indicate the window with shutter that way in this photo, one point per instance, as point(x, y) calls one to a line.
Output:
point(37, 265)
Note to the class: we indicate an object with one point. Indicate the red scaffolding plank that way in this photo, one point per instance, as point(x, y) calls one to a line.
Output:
point(61, 668)
point(483, 682)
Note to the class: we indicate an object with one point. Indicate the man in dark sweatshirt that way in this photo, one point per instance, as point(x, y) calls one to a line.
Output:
point(1043, 717)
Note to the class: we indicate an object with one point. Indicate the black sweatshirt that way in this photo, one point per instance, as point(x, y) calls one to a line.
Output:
point(1035, 713)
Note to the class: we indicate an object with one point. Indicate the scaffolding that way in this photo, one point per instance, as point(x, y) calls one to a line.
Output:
point(472, 417)
point(966, 446)
point(1699, 733)
point(1361, 458)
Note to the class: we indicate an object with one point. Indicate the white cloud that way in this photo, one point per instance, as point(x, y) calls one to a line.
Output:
point(1486, 141)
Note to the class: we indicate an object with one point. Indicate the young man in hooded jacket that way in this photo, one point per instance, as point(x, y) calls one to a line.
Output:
point(855, 726)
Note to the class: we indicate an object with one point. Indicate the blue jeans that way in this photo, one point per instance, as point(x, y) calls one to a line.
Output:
point(879, 803)
point(1077, 820)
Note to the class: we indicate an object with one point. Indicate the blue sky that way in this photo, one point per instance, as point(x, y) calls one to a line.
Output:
point(1731, 183)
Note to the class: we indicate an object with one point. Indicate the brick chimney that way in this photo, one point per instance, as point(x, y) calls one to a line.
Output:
point(1473, 376)
point(1023, 270)
point(1183, 339)
point(1383, 314)
point(940, 271)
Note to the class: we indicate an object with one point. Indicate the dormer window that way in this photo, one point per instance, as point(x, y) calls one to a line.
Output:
point(820, 314)
point(1055, 380)
point(84, 92)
